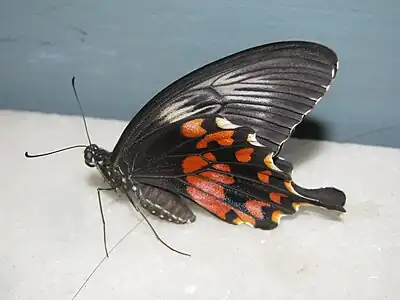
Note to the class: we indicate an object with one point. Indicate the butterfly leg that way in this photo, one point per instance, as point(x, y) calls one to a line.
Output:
point(164, 204)
point(102, 216)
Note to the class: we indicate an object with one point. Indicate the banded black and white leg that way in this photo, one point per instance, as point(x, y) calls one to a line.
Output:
point(102, 215)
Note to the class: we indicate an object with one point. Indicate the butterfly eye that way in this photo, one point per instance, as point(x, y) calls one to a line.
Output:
point(89, 158)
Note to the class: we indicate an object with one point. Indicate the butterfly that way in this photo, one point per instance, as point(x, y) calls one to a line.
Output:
point(214, 137)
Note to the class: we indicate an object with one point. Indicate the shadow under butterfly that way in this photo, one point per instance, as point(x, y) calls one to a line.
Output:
point(214, 136)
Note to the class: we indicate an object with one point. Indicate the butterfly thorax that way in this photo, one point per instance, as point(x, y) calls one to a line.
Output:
point(101, 159)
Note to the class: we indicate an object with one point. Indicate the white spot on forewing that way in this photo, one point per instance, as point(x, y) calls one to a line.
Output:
point(190, 289)
point(179, 113)
point(178, 117)
point(172, 107)
point(225, 124)
point(252, 139)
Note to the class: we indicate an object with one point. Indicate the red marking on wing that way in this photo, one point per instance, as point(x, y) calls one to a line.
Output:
point(276, 197)
point(208, 202)
point(244, 155)
point(218, 177)
point(224, 138)
point(254, 207)
point(222, 167)
point(244, 217)
point(193, 163)
point(193, 128)
point(264, 176)
point(210, 157)
point(207, 186)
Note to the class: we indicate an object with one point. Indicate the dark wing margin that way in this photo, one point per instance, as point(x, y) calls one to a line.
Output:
point(270, 88)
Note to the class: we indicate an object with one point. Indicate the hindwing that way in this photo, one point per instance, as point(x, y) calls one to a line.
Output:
point(223, 168)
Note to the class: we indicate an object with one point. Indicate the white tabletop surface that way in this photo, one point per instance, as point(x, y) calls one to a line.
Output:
point(51, 238)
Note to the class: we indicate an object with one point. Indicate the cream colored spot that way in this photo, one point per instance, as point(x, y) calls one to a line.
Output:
point(270, 163)
point(251, 138)
point(225, 124)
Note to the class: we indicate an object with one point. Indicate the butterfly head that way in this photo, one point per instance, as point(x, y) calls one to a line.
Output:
point(94, 155)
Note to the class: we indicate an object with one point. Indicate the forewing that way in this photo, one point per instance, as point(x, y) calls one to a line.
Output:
point(224, 169)
point(269, 88)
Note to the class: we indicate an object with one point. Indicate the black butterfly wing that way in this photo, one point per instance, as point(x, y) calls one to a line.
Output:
point(269, 88)
point(223, 168)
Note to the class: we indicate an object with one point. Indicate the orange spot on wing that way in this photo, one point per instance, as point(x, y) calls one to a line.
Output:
point(264, 176)
point(254, 207)
point(210, 157)
point(245, 218)
point(244, 155)
point(276, 215)
point(224, 138)
point(208, 202)
point(237, 221)
point(207, 186)
point(218, 177)
point(222, 167)
point(193, 128)
point(288, 185)
point(193, 163)
point(269, 162)
point(296, 205)
point(276, 197)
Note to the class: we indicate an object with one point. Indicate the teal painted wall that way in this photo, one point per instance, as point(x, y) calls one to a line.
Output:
point(123, 52)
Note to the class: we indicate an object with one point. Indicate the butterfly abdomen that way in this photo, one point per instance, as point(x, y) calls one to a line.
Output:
point(164, 204)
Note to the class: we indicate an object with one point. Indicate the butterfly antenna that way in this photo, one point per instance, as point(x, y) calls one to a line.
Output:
point(154, 231)
point(27, 155)
point(81, 109)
